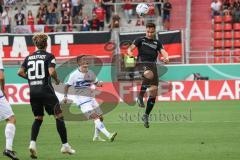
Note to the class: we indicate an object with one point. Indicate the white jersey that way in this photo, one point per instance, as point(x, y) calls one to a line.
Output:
point(83, 83)
point(1, 68)
point(5, 108)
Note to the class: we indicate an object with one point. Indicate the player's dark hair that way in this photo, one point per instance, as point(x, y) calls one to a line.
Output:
point(40, 40)
point(150, 25)
point(80, 59)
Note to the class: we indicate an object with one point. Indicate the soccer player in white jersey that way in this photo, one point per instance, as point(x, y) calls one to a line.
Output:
point(84, 81)
point(7, 114)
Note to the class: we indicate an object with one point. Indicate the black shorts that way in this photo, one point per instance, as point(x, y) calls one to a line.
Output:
point(143, 66)
point(49, 101)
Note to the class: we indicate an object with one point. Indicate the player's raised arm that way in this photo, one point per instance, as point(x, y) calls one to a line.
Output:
point(165, 55)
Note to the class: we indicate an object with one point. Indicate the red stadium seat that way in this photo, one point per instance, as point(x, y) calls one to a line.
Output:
point(227, 60)
point(217, 35)
point(218, 60)
point(236, 59)
point(218, 53)
point(218, 19)
point(227, 35)
point(236, 52)
point(227, 18)
point(227, 52)
point(236, 43)
point(218, 27)
point(236, 35)
point(236, 26)
point(227, 27)
point(228, 44)
point(218, 44)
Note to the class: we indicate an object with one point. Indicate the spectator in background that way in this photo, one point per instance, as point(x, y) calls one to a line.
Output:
point(85, 24)
point(94, 23)
point(151, 12)
point(159, 6)
point(236, 11)
point(100, 13)
point(77, 6)
point(20, 17)
point(30, 20)
point(41, 17)
point(128, 10)
point(226, 7)
point(6, 20)
point(216, 8)
point(167, 7)
point(115, 22)
point(51, 18)
point(65, 6)
point(66, 21)
point(108, 9)
point(43, 8)
point(140, 21)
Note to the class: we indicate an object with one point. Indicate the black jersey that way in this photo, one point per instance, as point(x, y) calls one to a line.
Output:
point(147, 49)
point(36, 66)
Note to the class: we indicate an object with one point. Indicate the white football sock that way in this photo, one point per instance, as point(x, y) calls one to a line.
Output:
point(99, 125)
point(65, 145)
point(96, 132)
point(33, 144)
point(9, 134)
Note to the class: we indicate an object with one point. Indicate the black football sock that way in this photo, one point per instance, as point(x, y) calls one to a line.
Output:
point(62, 131)
point(35, 129)
point(144, 86)
point(150, 104)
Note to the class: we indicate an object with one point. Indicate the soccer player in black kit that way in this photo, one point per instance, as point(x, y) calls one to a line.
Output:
point(38, 68)
point(148, 49)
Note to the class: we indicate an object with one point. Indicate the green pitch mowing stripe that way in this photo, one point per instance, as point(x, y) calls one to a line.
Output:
point(204, 131)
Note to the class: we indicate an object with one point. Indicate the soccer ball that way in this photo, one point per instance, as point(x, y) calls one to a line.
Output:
point(142, 9)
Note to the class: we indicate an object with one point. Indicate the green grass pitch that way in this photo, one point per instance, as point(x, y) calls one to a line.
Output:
point(179, 131)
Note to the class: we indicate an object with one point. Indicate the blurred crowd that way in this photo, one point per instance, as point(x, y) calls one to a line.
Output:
point(226, 7)
point(71, 14)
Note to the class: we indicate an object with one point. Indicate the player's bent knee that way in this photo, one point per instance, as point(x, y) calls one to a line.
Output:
point(11, 119)
point(153, 90)
point(148, 74)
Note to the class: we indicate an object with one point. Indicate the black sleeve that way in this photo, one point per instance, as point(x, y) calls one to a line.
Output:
point(160, 46)
point(137, 41)
point(24, 64)
point(51, 62)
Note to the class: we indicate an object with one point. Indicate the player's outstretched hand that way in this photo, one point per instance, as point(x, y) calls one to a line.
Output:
point(57, 82)
point(166, 60)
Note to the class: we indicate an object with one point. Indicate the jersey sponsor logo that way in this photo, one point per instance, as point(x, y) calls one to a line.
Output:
point(150, 45)
point(82, 84)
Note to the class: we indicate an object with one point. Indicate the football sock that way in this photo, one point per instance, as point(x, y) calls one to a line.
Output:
point(144, 86)
point(9, 134)
point(99, 125)
point(62, 131)
point(150, 104)
point(35, 129)
point(96, 132)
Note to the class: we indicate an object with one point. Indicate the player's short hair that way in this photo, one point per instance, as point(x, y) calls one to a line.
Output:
point(81, 60)
point(40, 40)
point(150, 25)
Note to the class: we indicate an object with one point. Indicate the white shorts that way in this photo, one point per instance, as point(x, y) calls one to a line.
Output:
point(89, 106)
point(5, 109)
